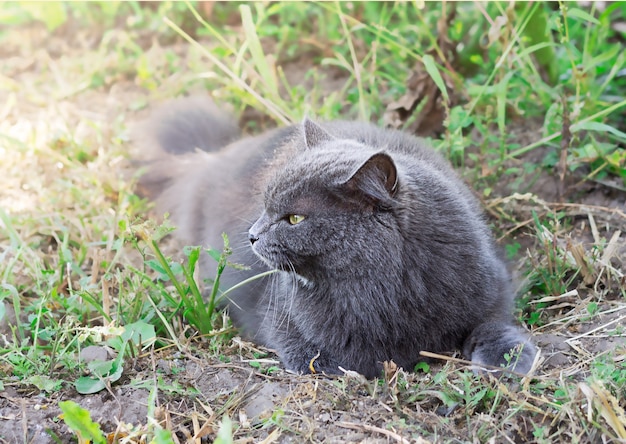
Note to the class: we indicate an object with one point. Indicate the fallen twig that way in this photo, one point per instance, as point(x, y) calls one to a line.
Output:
point(371, 428)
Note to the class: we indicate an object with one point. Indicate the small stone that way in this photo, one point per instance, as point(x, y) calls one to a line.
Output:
point(94, 353)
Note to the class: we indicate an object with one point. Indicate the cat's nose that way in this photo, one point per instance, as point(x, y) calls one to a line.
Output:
point(252, 238)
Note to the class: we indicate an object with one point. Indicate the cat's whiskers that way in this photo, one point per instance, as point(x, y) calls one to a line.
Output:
point(272, 306)
point(294, 289)
point(244, 247)
point(287, 306)
point(246, 220)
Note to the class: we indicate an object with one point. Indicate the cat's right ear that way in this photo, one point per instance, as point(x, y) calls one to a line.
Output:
point(314, 134)
point(376, 179)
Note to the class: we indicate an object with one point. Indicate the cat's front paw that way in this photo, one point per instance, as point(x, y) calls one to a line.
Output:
point(318, 363)
point(500, 345)
point(324, 364)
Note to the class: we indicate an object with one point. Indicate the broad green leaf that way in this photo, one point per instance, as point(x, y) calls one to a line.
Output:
point(79, 421)
point(422, 366)
point(44, 383)
point(100, 368)
point(215, 254)
point(104, 371)
point(86, 385)
point(154, 264)
point(139, 333)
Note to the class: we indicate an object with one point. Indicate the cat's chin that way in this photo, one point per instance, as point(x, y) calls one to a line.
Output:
point(303, 281)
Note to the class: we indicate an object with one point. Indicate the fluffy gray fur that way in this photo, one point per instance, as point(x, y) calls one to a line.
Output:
point(390, 255)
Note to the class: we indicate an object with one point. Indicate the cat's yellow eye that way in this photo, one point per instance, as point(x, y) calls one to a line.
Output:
point(295, 219)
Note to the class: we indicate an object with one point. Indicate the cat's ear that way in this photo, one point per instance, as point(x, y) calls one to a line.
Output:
point(377, 178)
point(314, 134)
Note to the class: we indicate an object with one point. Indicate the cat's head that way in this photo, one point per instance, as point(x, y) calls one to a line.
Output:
point(329, 208)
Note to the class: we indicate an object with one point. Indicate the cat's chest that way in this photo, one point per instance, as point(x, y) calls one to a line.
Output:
point(353, 302)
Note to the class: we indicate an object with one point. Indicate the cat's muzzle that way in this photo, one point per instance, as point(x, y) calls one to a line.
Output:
point(252, 238)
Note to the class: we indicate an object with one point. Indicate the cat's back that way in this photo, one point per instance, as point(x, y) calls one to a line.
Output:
point(390, 140)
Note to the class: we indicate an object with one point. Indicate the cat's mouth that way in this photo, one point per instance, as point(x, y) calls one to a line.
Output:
point(287, 267)
point(277, 260)
point(274, 260)
point(280, 266)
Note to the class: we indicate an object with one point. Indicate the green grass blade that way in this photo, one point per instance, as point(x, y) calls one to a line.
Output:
point(582, 15)
point(598, 127)
point(276, 111)
point(433, 72)
point(258, 56)
point(605, 112)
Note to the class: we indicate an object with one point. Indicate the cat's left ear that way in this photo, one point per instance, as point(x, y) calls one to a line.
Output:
point(314, 134)
point(377, 178)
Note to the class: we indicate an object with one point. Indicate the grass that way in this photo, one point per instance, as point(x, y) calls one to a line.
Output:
point(531, 110)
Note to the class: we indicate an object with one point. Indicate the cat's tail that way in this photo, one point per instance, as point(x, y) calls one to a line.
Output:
point(187, 124)
point(173, 135)
point(499, 344)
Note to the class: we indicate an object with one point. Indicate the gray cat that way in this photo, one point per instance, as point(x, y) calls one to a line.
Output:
point(382, 251)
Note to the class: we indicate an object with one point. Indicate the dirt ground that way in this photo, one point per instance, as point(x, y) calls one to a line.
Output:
point(267, 403)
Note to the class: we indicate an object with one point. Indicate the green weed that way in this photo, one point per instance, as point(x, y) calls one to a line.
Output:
point(611, 371)
point(80, 422)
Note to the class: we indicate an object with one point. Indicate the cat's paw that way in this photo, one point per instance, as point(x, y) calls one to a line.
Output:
point(500, 345)
point(318, 363)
